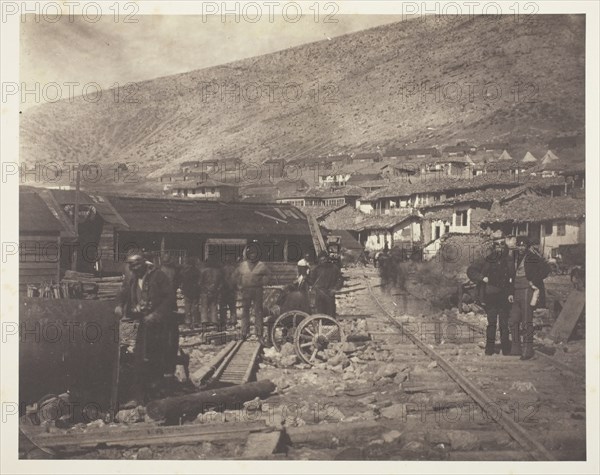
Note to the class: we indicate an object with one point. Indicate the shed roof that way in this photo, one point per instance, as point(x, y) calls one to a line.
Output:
point(35, 216)
point(161, 215)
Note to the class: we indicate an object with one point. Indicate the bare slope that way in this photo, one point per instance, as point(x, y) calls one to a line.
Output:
point(375, 88)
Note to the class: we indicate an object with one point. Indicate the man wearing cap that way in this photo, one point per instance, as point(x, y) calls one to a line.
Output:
point(251, 277)
point(494, 278)
point(530, 271)
point(147, 297)
point(324, 280)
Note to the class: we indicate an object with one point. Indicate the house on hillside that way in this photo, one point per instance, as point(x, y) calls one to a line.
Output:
point(360, 179)
point(493, 147)
point(459, 150)
point(411, 153)
point(206, 190)
point(366, 157)
point(374, 232)
point(551, 221)
point(323, 197)
point(400, 170)
point(456, 166)
point(401, 195)
point(189, 166)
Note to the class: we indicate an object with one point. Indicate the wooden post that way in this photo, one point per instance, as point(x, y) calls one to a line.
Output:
point(76, 219)
point(285, 250)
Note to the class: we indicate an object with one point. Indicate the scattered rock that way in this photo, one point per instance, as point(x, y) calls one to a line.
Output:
point(130, 416)
point(144, 454)
point(413, 446)
point(386, 371)
point(348, 347)
point(95, 424)
point(391, 436)
point(367, 400)
point(523, 386)
point(289, 360)
point(395, 411)
point(432, 365)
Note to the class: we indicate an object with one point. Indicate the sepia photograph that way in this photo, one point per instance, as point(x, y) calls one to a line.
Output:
point(299, 231)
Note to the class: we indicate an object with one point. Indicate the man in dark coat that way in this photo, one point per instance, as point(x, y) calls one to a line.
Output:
point(324, 280)
point(170, 267)
point(493, 276)
point(227, 299)
point(147, 297)
point(210, 283)
point(191, 292)
point(530, 271)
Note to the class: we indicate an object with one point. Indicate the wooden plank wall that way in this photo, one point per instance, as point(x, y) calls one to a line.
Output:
point(39, 259)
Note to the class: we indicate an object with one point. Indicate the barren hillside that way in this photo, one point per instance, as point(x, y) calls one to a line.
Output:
point(425, 82)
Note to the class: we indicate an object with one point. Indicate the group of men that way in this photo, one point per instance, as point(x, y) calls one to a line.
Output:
point(210, 291)
point(149, 297)
point(510, 286)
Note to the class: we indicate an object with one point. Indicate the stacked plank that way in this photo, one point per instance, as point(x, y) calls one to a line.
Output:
point(91, 287)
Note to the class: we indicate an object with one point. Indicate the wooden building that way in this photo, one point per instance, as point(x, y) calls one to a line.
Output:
point(39, 242)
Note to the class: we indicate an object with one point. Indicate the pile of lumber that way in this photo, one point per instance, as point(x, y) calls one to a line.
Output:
point(91, 287)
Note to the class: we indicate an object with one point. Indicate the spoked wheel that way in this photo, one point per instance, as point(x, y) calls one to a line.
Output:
point(318, 338)
point(285, 326)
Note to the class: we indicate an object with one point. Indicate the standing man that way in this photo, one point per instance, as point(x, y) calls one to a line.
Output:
point(191, 292)
point(148, 298)
point(252, 275)
point(228, 295)
point(493, 276)
point(210, 283)
point(170, 267)
point(325, 279)
point(530, 293)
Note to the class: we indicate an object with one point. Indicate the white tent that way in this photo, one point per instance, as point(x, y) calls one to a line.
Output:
point(529, 158)
point(505, 156)
point(549, 158)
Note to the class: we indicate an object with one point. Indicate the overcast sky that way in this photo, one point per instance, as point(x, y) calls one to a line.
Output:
point(107, 52)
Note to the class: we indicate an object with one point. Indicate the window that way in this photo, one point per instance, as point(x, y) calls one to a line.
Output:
point(561, 229)
point(447, 229)
point(547, 229)
point(462, 218)
point(437, 232)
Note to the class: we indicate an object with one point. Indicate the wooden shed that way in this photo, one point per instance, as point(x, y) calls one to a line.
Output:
point(39, 242)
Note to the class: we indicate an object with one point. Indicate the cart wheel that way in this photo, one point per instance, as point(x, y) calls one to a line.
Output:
point(318, 338)
point(285, 327)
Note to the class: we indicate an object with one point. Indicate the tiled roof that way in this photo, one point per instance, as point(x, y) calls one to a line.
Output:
point(404, 187)
point(535, 209)
point(353, 220)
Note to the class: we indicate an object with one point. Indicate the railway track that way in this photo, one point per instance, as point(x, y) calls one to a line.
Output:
point(533, 402)
point(236, 363)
